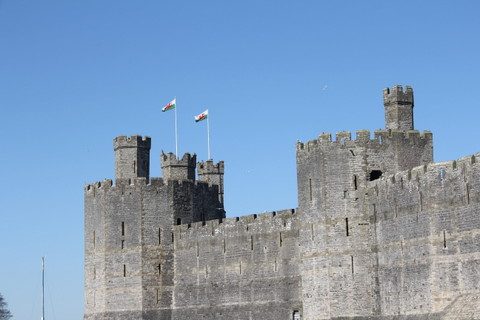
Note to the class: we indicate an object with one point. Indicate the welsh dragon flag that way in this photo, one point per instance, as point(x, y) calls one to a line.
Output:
point(202, 116)
point(170, 106)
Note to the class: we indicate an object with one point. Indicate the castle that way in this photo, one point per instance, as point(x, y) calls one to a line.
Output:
point(380, 232)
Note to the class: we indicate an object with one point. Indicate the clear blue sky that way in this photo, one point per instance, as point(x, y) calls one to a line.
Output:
point(74, 74)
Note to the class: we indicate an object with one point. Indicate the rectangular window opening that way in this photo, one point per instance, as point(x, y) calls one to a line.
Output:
point(351, 261)
point(159, 267)
point(123, 228)
point(346, 227)
point(124, 270)
point(296, 315)
point(159, 236)
point(123, 244)
point(310, 188)
point(355, 182)
point(444, 240)
point(251, 242)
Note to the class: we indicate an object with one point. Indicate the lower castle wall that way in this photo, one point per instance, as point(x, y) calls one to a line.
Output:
point(245, 269)
point(428, 239)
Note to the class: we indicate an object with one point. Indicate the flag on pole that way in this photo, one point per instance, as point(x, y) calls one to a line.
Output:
point(202, 116)
point(170, 106)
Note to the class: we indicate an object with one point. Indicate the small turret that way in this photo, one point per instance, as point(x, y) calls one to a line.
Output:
point(132, 157)
point(398, 102)
point(212, 173)
point(178, 169)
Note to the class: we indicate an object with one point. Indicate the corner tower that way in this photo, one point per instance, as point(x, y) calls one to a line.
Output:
point(212, 173)
point(132, 157)
point(398, 102)
point(178, 169)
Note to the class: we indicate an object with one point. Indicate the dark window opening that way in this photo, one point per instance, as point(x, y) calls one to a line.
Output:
point(296, 315)
point(123, 228)
point(375, 174)
point(159, 269)
point(444, 240)
point(355, 184)
point(346, 227)
point(123, 244)
point(310, 189)
point(159, 236)
point(179, 221)
point(124, 270)
point(134, 165)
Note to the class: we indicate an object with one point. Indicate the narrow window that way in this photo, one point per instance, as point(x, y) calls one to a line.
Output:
point(94, 240)
point(296, 315)
point(251, 242)
point(134, 165)
point(173, 237)
point(351, 262)
point(280, 240)
point(159, 236)
point(468, 193)
point(158, 295)
point(198, 250)
point(355, 182)
point(179, 221)
point(346, 227)
point(124, 270)
point(344, 194)
point(123, 228)
point(159, 267)
point(224, 246)
point(123, 244)
point(444, 240)
point(275, 267)
point(421, 201)
point(240, 267)
point(310, 188)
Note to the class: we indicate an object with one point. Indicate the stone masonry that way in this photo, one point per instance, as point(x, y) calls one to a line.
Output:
point(380, 232)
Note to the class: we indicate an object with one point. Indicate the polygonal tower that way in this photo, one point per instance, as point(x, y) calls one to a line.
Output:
point(132, 157)
point(212, 173)
point(398, 102)
point(178, 169)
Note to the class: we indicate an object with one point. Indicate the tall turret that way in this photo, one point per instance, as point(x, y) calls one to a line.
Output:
point(212, 173)
point(398, 102)
point(178, 169)
point(132, 157)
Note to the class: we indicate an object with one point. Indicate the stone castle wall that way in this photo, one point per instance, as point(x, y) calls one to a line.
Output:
point(381, 232)
point(238, 268)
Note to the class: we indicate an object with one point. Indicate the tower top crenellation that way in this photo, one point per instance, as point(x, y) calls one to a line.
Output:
point(135, 141)
point(398, 95)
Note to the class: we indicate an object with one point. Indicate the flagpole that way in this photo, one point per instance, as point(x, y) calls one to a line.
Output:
point(176, 129)
point(43, 288)
point(208, 135)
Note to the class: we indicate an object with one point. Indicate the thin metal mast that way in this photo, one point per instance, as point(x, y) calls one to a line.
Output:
point(43, 288)
point(208, 134)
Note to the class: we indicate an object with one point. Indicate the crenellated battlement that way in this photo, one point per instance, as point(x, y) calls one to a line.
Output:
point(170, 159)
point(209, 167)
point(251, 223)
point(398, 95)
point(108, 184)
point(439, 172)
point(135, 141)
point(178, 168)
point(363, 137)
